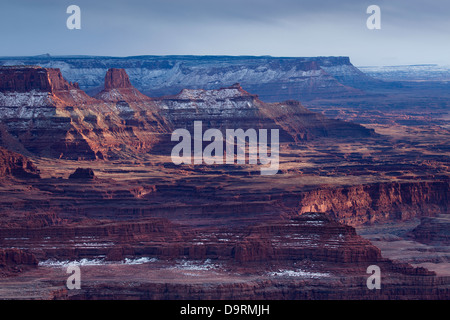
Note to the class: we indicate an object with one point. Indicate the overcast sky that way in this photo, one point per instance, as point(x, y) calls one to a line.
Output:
point(412, 31)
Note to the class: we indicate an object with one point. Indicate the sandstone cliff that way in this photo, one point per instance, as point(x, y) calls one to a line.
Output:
point(433, 230)
point(15, 260)
point(355, 205)
point(16, 165)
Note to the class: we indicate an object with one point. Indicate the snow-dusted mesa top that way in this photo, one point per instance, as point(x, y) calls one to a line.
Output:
point(221, 101)
point(200, 94)
point(26, 105)
point(25, 99)
point(231, 92)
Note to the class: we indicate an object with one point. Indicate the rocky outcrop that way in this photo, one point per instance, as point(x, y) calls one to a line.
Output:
point(119, 88)
point(24, 79)
point(306, 257)
point(83, 174)
point(433, 230)
point(356, 205)
point(311, 236)
point(16, 260)
point(17, 165)
point(302, 124)
point(401, 288)
point(117, 79)
point(230, 107)
point(17, 80)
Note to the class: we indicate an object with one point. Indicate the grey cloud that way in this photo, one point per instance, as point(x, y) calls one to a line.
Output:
point(260, 27)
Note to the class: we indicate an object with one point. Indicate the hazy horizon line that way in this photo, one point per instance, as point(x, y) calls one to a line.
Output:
point(212, 55)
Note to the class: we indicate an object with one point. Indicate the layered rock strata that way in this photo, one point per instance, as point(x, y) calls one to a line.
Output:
point(16, 165)
point(43, 114)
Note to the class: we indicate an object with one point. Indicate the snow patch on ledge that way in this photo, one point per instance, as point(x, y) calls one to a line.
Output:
point(299, 273)
point(93, 262)
point(194, 94)
point(195, 265)
point(25, 99)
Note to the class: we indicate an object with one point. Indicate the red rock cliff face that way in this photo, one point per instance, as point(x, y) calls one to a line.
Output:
point(14, 164)
point(116, 79)
point(311, 236)
point(137, 111)
point(119, 88)
point(357, 205)
point(65, 93)
point(27, 78)
point(16, 260)
point(233, 107)
point(24, 79)
point(433, 230)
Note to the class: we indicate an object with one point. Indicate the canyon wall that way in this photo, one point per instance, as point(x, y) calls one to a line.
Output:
point(356, 205)
point(16, 165)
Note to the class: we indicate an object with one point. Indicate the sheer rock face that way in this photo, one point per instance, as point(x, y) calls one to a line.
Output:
point(138, 112)
point(24, 79)
point(433, 230)
point(310, 236)
point(83, 174)
point(357, 205)
point(16, 165)
point(225, 108)
point(19, 80)
point(117, 79)
point(118, 88)
point(16, 260)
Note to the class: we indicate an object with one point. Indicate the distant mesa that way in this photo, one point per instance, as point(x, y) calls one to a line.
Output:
point(273, 79)
point(83, 174)
point(44, 55)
